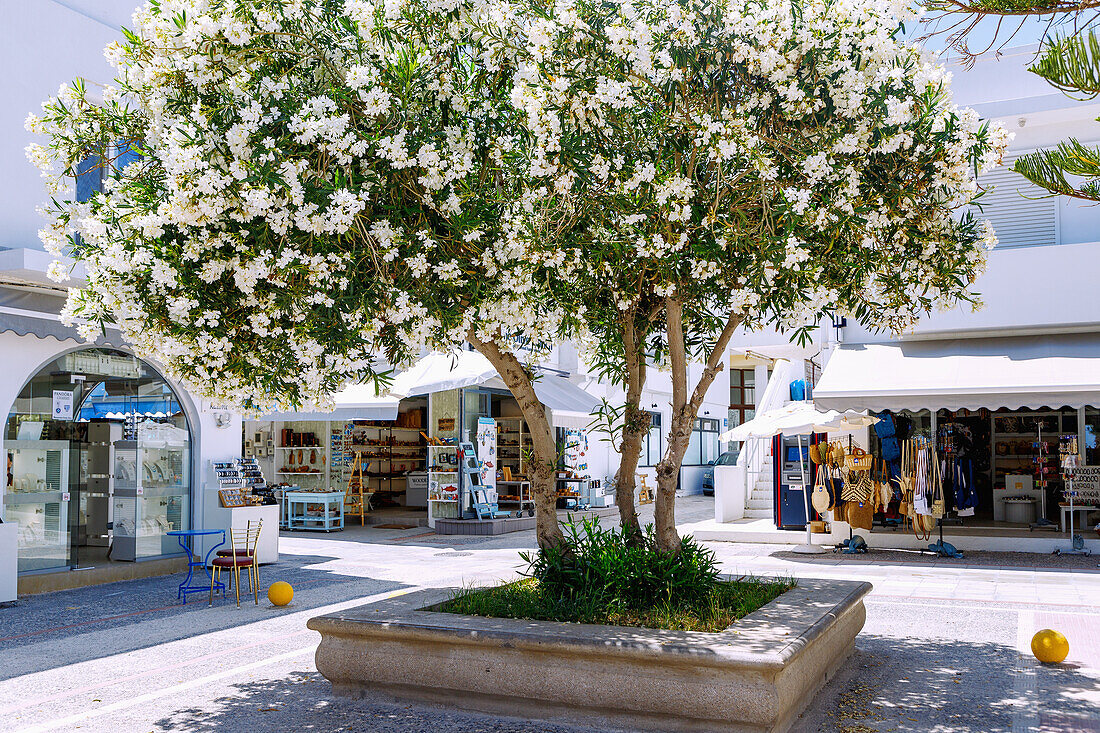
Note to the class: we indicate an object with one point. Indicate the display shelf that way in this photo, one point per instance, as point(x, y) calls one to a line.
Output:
point(319, 511)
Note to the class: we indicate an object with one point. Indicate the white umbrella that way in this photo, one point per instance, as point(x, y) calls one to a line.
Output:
point(794, 418)
point(800, 418)
point(848, 422)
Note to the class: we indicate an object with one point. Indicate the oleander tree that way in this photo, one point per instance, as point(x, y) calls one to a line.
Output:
point(300, 193)
point(746, 162)
point(1068, 58)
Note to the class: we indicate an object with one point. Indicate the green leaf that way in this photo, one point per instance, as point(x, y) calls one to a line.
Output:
point(1049, 168)
point(1072, 63)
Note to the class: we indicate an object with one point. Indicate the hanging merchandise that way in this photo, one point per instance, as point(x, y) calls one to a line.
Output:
point(939, 502)
point(884, 493)
point(921, 479)
point(860, 514)
point(821, 499)
point(887, 433)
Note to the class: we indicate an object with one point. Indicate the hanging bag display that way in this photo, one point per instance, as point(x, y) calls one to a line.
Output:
point(885, 490)
point(821, 499)
point(859, 460)
point(906, 480)
point(939, 501)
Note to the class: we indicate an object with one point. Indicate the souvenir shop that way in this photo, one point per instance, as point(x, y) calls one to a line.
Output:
point(985, 434)
point(400, 459)
point(975, 469)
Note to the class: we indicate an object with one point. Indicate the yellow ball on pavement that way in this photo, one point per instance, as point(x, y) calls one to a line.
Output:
point(280, 593)
point(1049, 647)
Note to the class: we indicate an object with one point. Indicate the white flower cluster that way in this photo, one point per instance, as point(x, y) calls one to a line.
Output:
point(792, 149)
point(295, 188)
point(298, 205)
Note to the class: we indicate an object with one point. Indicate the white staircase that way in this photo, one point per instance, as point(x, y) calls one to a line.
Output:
point(758, 504)
point(754, 460)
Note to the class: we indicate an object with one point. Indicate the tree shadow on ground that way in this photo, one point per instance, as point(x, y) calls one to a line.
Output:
point(51, 619)
point(920, 685)
point(304, 701)
point(889, 684)
point(971, 560)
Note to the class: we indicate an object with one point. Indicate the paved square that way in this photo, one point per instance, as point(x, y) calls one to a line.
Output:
point(945, 647)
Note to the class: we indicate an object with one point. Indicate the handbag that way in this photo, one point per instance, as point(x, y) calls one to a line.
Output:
point(815, 454)
point(939, 501)
point(821, 499)
point(860, 514)
point(859, 460)
point(883, 489)
point(857, 486)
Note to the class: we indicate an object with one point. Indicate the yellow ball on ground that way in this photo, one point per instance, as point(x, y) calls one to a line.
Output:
point(280, 593)
point(1049, 647)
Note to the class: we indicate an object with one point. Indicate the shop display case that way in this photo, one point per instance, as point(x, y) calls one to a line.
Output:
point(97, 459)
point(9, 560)
point(37, 501)
point(1025, 444)
point(513, 444)
point(442, 483)
point(321, 511)
point(151, 494)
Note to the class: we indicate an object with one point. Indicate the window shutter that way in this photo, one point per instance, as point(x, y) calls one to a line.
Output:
point(89, 178)
point(1023, 215)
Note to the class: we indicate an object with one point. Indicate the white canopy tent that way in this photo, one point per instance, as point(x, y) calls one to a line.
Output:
point(357, 402)
point(1058, 370)
point(440, 372)
point(800, 419)
point(569, 405)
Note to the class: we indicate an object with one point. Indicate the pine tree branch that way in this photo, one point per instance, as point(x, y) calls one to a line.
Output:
point(1072, 64)
point(1049, 168)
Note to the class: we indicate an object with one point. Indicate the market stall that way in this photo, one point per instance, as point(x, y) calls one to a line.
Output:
point(1000, 415)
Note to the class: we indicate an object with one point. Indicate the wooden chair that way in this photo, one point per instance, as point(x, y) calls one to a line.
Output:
point(645, 494)
point(241, 555)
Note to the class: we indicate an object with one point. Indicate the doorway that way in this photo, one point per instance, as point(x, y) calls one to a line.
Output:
point(98, 463)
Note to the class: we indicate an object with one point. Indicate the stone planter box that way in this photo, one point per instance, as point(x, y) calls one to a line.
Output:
point(758, 675)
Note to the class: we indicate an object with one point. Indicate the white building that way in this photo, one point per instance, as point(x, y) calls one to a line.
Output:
point(1029, 359)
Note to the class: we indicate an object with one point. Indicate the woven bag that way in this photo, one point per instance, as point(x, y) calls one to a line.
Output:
point(859, 460)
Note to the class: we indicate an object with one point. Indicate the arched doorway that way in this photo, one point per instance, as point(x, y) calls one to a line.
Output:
point(98, 462)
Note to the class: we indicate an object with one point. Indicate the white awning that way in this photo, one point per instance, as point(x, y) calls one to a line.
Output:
point(440, 372)
point(569, 405)
point(357, 402)
point(1050, 371)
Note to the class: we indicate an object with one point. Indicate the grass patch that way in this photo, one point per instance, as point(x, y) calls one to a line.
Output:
point(716, 610)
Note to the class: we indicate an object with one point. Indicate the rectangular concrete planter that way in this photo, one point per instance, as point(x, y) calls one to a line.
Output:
point(758, 675)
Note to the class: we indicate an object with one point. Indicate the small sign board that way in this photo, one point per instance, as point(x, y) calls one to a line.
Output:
point(62, 404)
point(1086, 484)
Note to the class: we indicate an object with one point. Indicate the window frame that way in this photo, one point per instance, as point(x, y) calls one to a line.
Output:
point(647, 442)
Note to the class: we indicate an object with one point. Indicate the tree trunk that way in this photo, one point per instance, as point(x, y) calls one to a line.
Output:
point(684, 411)
point(543, 446)
point(635, 428)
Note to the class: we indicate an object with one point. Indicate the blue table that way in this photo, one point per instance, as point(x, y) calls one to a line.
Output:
point(185, 587)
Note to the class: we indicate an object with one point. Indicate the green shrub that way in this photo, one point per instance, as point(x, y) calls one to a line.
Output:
point(602, 568)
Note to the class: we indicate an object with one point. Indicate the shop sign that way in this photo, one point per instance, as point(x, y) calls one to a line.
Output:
point(446, 424)
point(1086, 484)
point(62, 404)
point(487, 451)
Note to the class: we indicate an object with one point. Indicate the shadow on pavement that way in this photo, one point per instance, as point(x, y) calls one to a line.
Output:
point(149, 607)
point(918, 685)
point(971, 560)
point(303, 701)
